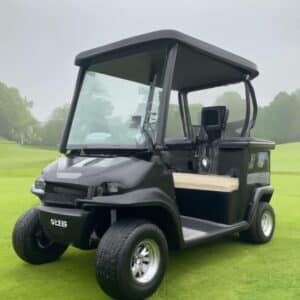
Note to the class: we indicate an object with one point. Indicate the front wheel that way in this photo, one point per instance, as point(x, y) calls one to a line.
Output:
point(263, 225)
point(30, 242)
point(131, 259)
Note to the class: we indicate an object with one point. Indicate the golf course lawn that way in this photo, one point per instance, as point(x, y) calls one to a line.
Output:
point(222, 269)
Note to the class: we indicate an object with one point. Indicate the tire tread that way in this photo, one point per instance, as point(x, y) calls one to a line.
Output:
point(109, 252)
point(24, 245)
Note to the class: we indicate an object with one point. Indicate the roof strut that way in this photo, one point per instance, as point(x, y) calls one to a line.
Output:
point(250, 97)
point(246, 129)
point(167, 85)
point(254, 102)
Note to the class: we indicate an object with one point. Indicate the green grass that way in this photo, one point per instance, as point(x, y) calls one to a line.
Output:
point(223, 269)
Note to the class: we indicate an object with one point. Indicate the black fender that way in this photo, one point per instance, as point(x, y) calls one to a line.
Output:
point(262, 193)
point(145, 199)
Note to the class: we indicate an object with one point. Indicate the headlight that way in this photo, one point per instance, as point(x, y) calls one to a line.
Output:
point(205, 163)
point(108, 188)
point(39, 187)
point(112, 187)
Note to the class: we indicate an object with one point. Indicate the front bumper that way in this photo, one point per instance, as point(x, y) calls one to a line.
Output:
point(67, 225)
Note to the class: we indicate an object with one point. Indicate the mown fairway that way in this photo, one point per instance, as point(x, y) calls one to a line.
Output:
point(224, 269)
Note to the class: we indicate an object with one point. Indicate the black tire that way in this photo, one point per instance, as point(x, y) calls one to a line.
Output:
point(256, 234)
point(31, 244)
point(114, 261)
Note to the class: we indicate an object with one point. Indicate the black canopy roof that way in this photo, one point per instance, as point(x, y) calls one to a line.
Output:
point(198, 63)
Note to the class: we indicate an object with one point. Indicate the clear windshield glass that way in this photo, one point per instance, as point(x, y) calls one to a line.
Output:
point(115, 111)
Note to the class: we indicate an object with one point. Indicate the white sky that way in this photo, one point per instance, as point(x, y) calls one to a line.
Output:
point(39, 39)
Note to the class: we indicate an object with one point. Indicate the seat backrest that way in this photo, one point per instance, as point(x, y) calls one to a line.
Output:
point(213, 121)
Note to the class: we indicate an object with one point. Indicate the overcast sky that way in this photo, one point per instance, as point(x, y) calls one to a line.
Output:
point(39, 39)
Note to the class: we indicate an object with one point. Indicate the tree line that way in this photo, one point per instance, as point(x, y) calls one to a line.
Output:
point(278, 121)
point(17, 122)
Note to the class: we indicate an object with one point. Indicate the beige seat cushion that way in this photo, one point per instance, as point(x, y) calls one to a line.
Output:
point(213, 183)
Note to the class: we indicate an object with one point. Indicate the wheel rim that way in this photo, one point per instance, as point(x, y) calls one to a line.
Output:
point(267, 223)
point(145, 261)
point(42, 241)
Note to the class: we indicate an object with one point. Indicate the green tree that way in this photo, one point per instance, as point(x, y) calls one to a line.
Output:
point(279, 121)
point(174, 124)
point(195, 112)
point(16, 120)
point(53, 128)
point(235, 104)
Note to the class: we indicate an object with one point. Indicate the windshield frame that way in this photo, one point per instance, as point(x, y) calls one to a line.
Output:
point(167, 73)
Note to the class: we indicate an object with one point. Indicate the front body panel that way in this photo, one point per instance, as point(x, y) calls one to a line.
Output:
point(67, 226)
point(71, 178)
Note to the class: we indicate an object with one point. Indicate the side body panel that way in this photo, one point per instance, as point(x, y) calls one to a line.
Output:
point(249, 160)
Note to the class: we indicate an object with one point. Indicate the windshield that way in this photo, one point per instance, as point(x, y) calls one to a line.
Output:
point(118, 105)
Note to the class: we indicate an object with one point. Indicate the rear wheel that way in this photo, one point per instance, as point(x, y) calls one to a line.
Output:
point(131, 259)
point(263, 225)
point(30, 242)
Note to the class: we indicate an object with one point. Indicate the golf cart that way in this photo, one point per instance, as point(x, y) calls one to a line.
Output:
point(126, 189)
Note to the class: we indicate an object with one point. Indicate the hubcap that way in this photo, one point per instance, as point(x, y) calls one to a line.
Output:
point(41, 239)
point(267, 223)
point(145, 261)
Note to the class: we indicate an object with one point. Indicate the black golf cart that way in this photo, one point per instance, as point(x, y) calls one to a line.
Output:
point(126, 189)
